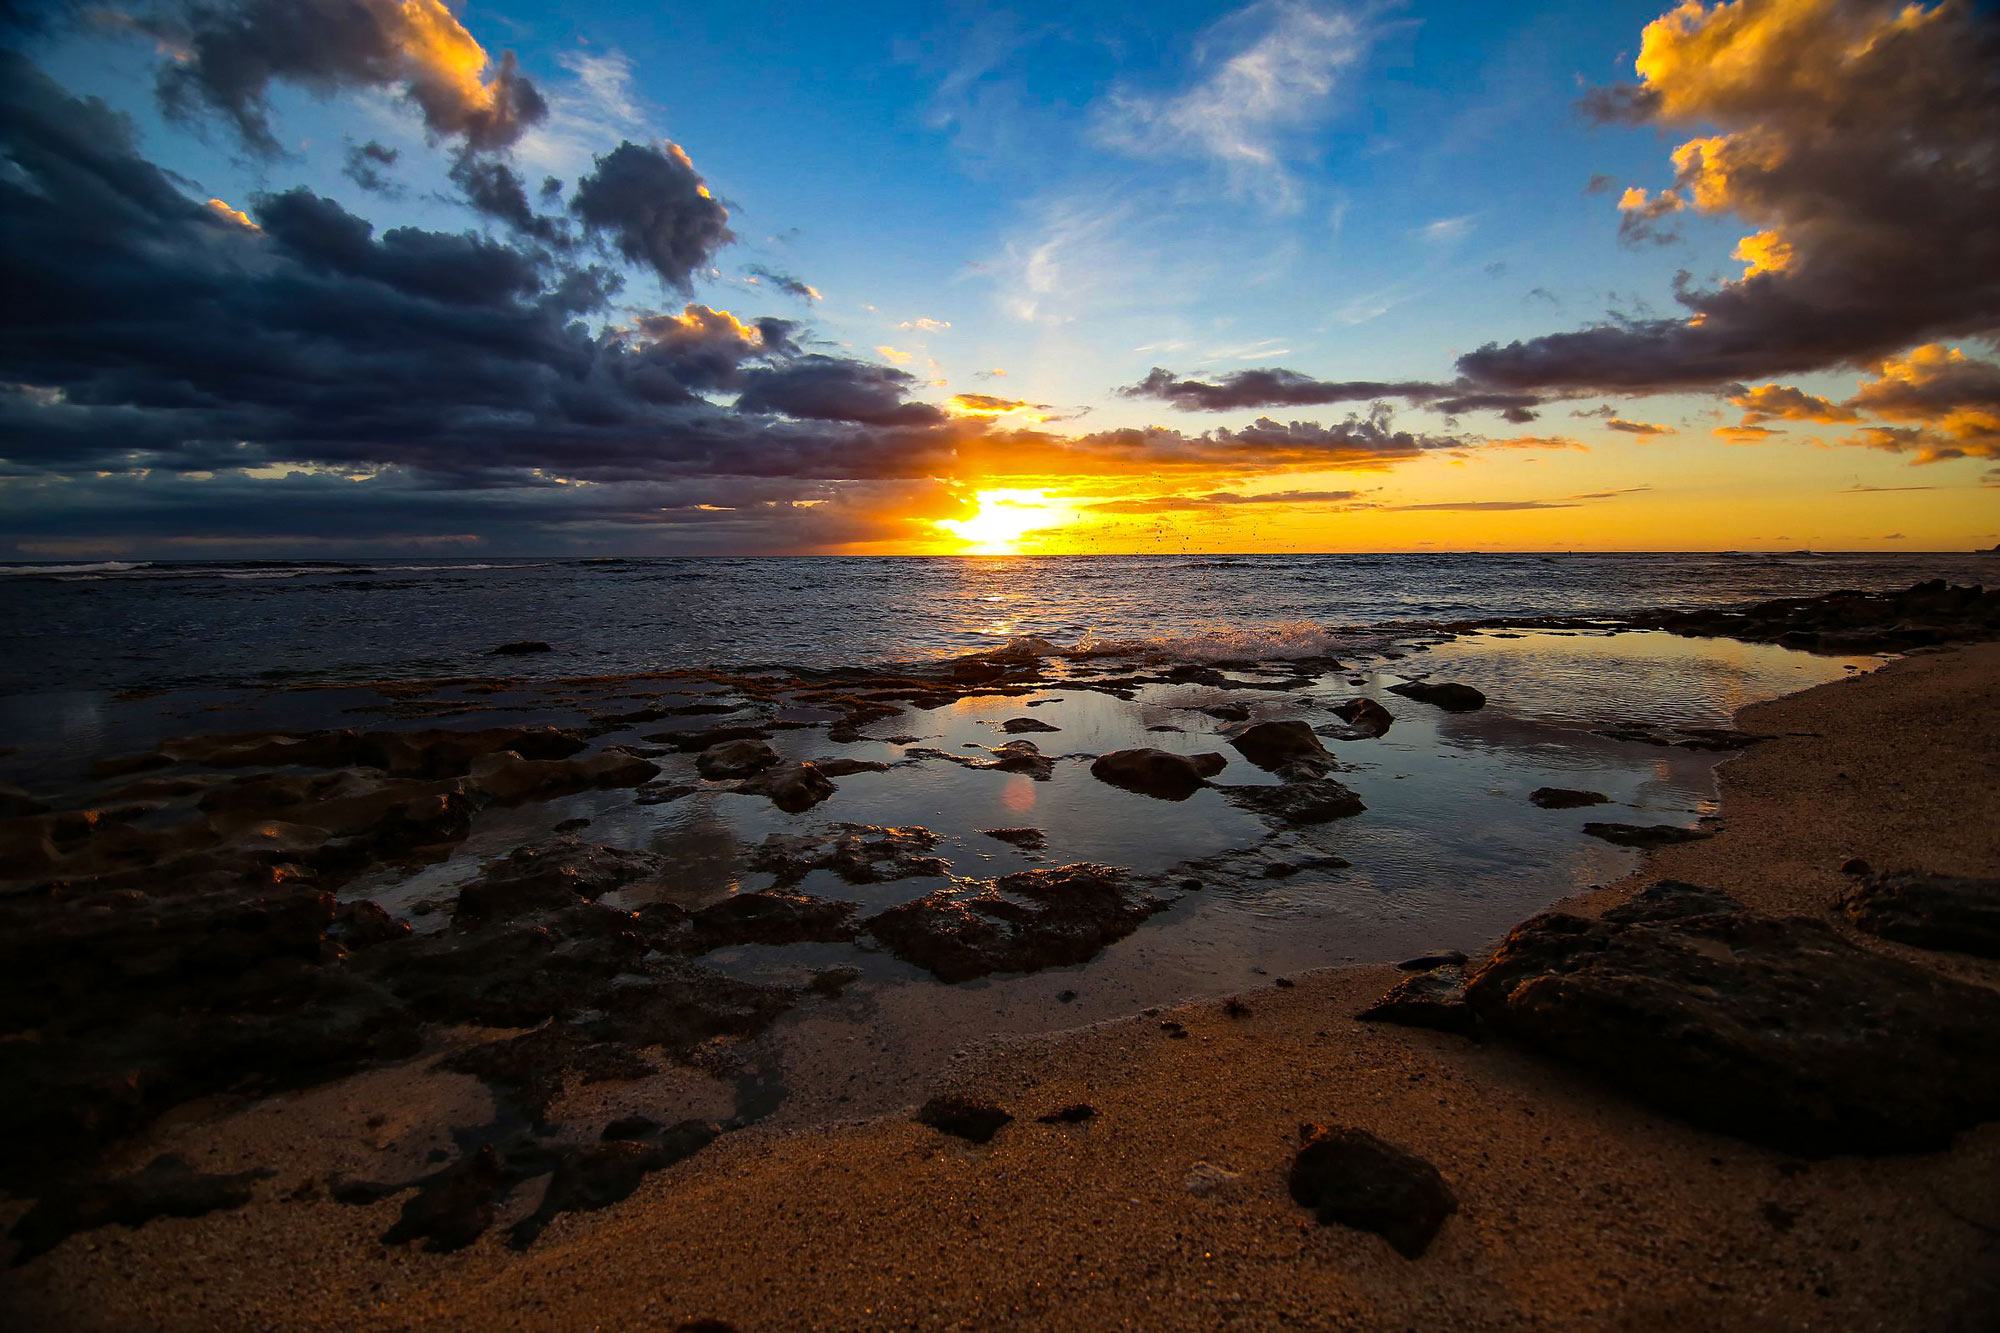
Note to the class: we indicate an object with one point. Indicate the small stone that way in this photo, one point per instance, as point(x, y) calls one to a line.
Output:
point(1352, 1177)
point(964, 1117)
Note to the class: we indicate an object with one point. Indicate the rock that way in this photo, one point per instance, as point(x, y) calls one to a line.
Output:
point(833, 980)
point(1929, 911)
point(1351, 1177)
point(1433, 999)
point(1228, 712)
point(1848, 622)
point(629, 1127)
point(1646, 835)
point(697, 740)
point(770, 917)
point(1021, 757)
point(520, 648)
point(840, 768)
point(1450, 696)
point(549, 877)
point(1775, 1030)
point(1365, 716)
point(1074, 1114)
point(14, 802)
point(596, 1175)
point(1021, 923)
point(1315, 801)
point(858, 853)
point(529, 1072)
point(167, 1187)
point(570, 825)
point(1158, 773)
point(964, 1117)
point(1290, 748)
point(453, 1207)
point(1565, 798)
point(793, 789)
point(1027, 839)
point(364, 924)
point(1017, 725)
point(735, 759)
point(507, 777)
point(1424, 962)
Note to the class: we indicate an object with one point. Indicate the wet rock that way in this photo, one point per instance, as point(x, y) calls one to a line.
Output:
point(1158, 773)
point(506, 777)
point(1774, 1030)
point(1021, 757)
point(771, 917)
point(1433, 999)
point(964, 1117)
point(1946, 912)
point(858, 853)
point(697, 740)
point(1074, 1114)
point(364, 924)
point(14, 802)
point(1351, 1177)
point(1027, 839)
point(735, 759)
point(1424, 962)
point(549, 877)
point(833, 980)
point(1021, 923)
point(570, 825)
point(1565, 798)
point(451, 1208)
point(1228, 712)
point(1290, 748)
point(596, 1175)
point(167, 1187)
point(1315, 801)
point(1849, 622)
point(1448, 695)
point(1646, 835)
point(794, 789)
point(520, 648)
point(1017, 725)
point(531, 1071)
point(1365, 716)
point(840, 768)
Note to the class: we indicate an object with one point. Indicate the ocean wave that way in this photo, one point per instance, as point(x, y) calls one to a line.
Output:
point(95, 567)
point(1222, 643)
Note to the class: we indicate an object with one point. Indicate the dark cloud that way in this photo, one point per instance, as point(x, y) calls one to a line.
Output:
point(366, 165)
point(1645, 429)
point(1276, 387)
point(1857, 137)
point(497, 190)
point(826, 388)
point(786, 283)
point(650, 205)
point(229, 53)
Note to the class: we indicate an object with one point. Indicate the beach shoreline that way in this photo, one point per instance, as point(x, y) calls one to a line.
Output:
point(1578, 1206)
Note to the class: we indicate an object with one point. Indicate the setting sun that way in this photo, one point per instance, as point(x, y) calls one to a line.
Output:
point(1003, 518)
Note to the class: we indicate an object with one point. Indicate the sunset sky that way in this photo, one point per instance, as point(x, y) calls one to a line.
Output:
point(292, 278)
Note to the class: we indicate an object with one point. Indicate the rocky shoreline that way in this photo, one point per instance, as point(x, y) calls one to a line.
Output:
point(191, 932)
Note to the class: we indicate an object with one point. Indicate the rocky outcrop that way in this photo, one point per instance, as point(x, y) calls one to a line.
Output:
point(1434, 998)
point(1848, 622)
point(1565, 798)
point(858, 853)
point(1289, 748)
point(1020, 923)
point(1646, 835)
point(549, 877)
point(1312, 801)
point(1774, 1030)
point(1351, 1177)
point(793, 788)
point(1364, 716)
point(1158, 773)
point(1448, 695)
point(167, 1187)
point(735, 759)
point(1949, 912)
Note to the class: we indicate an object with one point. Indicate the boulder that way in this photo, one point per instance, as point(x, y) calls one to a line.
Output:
point(1351, 1177)
point(1020, 923)
point(735, 759)
point(1365, 716)
point(1448, 695)
point(1775, 1030)
point(1290, 748)
point(1565, 798)
point(794, 789)
point(1158, 773)
point(1014, 726)
point(1430, 999)
point(1929, 911)
point(1646, 835)
point(1313, 801)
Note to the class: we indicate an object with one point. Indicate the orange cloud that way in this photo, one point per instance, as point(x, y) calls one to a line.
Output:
point(1782, 402)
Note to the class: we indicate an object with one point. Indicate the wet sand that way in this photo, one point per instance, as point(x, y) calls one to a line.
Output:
point(1578, 1207)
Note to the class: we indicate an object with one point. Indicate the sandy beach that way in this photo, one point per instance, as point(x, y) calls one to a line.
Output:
point(1577, 1206)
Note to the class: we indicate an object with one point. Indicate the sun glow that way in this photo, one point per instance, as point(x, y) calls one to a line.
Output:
point(1002, 520)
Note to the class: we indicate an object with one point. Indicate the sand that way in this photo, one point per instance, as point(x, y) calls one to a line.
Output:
point(1579, 1208)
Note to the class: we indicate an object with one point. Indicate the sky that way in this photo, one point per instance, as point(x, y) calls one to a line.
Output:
point(301, 278)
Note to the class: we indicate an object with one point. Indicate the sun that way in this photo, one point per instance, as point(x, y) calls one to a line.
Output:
point(1003, 518)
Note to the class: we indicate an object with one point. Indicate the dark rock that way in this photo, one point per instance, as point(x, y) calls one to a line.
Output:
point(772, 917)
point(530, 1071)
point(793, 789)
point(858, 853)
point(735, 759)
point(1068, 1115)
point(1367, 717)
point(1027, 839)
point(833, 980)
point(1848, 622)
point(840, 768)
point(1929, 911)
point(1646, 835)
point(1351, 1177)
point(167, 1187)
point(1017, 725)
point(1854, 865)
point(364, 924)
point(596, 1175)
point(1448, 695)
point(1021, 923)
point(1158, 773)
point(1433, 999)
point(1290, 748)
point(571, 825)
point(964, 1117)
point(1565, 798)
point(699, 739)
point(550, 876)
point(14, 802)
point(1020, 757)
point(520, 648)
point(1228, 712)
point(1314, 801)
point(453, 1207)
point(507, 777)
point(629, 1127)
point(1774, 1030)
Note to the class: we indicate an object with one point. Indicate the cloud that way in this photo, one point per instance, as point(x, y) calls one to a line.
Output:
point(1641, 219)
point(1269, 72)
point(824, 388)
point(1275, 387)
point(1644, 429)
point(925, 324)
point(651, 207)
point(1221, 500)
point(1856, 138)
point(785, 283)
point(1782, 402)
point(229, 53)
point(1743, 434)
point(366, 164)
point(1955, 398)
